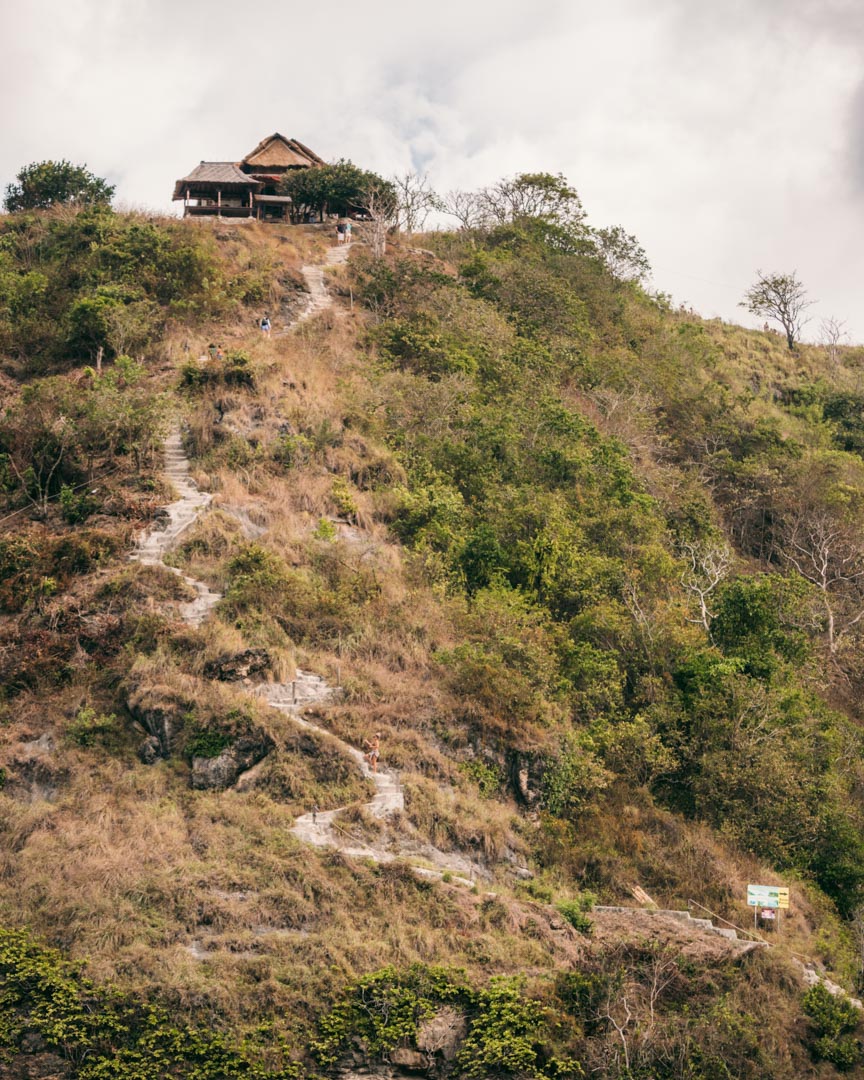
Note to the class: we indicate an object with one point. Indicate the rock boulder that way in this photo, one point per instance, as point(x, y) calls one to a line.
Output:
point(235, 667)
point(221, 772)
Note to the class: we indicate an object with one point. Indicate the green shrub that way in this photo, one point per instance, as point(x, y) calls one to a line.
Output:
point(834, 1020)
point(106, 1035)
point(76, 508)
point(207, 742)
point(89, 728)
point(342, 498)
point(325, 530)
point(487, 777)
point(574, 911)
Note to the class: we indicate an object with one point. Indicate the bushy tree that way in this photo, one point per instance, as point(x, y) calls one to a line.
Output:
point(541, 195)
point(622, 254)
point(48, 183)
point(781, 297)
point(336, 189)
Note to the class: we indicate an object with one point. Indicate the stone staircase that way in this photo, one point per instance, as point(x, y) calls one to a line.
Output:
point(175, 519)
point(316, 282)
point(681, 916)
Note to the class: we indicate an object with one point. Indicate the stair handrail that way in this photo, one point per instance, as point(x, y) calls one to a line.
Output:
point(734, 926)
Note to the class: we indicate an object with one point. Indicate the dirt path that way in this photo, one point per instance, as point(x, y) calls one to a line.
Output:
point(307, 689)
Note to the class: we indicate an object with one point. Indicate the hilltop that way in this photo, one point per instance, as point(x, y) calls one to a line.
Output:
point(590, 566)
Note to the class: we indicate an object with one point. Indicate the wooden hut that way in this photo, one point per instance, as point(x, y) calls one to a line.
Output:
point(248, 188)
point(220, 188)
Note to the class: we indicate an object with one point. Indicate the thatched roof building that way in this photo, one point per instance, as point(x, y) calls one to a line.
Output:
point(277, 155)
point(247, 188)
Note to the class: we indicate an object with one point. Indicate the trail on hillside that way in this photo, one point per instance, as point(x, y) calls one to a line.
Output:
point(321, 829)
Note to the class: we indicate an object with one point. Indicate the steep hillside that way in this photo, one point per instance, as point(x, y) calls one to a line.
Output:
point(589, 567)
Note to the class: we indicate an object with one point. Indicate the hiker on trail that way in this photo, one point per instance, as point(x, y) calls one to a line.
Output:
point(315, 814)
point(348, 231)
point(211, 348)
point(265, 326)
point(373, 751)
point(340, 232)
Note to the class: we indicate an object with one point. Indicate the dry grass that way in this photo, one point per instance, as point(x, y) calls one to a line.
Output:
point(458, 819)
point(206, 899)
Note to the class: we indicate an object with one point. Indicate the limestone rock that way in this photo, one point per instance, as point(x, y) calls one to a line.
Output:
point(412, 1060)
point(219, 773)
point(160, 712)
point(443, 1033)
point(150, 750)
point(234, 667)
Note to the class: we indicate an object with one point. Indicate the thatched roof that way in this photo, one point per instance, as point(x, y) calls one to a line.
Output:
point(218, 173)
point(277, 152)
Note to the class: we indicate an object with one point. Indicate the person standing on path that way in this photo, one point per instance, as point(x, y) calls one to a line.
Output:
point(340, 232)
point(265, 326)
point(315, 813)
point(348, 231)
point(373, 751)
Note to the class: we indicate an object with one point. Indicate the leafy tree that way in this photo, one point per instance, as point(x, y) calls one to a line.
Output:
point(622, 254)
point(533, 195)
point(336, 189)
point(781, 297)
point(49, 183)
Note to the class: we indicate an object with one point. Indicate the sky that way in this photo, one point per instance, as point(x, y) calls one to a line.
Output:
point(727, 135)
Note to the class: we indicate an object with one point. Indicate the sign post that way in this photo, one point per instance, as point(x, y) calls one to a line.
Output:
point(768, 899)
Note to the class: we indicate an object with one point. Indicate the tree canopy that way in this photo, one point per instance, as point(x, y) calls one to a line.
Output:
point(780, 297)
point(49, 183)
point(337, 189)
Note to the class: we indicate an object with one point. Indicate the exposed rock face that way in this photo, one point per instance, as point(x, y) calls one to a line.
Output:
point(436, 1045)
point(410, 1060)
point(32, 773)
point(160, 712)
point(525, 773)
point(150, 750)
point(442, 1034)
point(218, 773)
point(236, 667)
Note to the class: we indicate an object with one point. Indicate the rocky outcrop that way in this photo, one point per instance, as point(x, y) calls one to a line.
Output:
point(431, 1053)
point(525, 775)
point(442, 1034)
point(223, 771)
point(32, 775)
point(160, 711)
point(237, 667)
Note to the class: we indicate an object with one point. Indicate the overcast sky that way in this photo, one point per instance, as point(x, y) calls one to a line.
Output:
point(728, 135)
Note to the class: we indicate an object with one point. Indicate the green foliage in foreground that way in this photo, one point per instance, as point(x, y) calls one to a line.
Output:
point(109, 1036)
point(834, 1020)
point(505, 1028)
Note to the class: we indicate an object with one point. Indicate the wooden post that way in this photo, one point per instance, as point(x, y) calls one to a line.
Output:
point(293, 691)
point(218, 202)
point(99, 353)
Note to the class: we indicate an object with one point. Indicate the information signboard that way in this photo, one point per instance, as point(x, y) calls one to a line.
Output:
point(767, 896)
